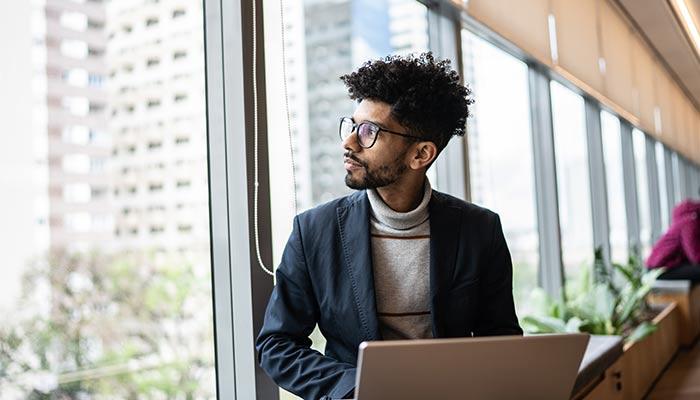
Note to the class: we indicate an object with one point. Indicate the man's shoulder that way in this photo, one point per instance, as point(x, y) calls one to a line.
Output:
point(468, 210)
point(328, 211)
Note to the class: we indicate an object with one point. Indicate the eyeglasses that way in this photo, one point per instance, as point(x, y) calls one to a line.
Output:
point(367, 132)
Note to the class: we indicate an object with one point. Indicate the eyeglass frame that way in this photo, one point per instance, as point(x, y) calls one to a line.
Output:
point(356, 127)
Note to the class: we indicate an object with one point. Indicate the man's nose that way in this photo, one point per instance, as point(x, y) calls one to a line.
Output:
point(350, 143)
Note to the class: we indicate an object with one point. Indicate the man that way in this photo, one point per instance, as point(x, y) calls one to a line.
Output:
point(395, 259)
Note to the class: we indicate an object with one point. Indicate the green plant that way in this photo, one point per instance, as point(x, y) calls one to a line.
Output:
point(601, 301)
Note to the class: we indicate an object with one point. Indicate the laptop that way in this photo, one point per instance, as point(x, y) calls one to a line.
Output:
point(538, 367)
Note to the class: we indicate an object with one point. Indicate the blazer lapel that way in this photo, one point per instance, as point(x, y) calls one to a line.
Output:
point(444, 243)
point(353, 224)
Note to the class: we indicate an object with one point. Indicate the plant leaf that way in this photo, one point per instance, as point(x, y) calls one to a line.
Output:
point(543, 324)
point(641, 331)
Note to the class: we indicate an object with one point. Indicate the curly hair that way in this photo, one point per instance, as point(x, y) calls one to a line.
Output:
point(425, 95)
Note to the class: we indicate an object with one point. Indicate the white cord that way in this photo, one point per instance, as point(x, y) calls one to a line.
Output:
point(255, 125)
point(286, 108)
point(255, 149)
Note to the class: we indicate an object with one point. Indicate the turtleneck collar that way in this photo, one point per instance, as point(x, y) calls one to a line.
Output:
point(398, 220)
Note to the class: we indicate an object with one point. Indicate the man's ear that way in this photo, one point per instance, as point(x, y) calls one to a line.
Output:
point(423, 155)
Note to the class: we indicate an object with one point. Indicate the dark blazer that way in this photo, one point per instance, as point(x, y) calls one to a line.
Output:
point(326, 278)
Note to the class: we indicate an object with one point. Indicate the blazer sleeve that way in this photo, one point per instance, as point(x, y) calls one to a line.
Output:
point(283, 344)
point(497, 309)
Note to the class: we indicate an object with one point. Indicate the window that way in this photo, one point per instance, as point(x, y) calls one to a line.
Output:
point(91, 311)
point(319, 33)
point(77, 193)
point(152, 62)
point(615, 186)
point(178, 13)
point(663, 185)
point(573, 187)
point(500, 154)
point(676, 168)
point(640, 165)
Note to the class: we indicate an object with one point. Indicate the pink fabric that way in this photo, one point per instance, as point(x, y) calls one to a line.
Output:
point(681, 244)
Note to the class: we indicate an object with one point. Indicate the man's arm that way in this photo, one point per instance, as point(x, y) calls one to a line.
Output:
point(283, 343)
point(497, 310)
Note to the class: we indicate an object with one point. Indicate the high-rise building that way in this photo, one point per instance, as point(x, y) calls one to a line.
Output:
point(340, 36)
point(24, 203)
point(158, 126)
point(56, 140)
point(78, 144)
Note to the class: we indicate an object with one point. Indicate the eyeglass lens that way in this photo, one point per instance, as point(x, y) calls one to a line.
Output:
point(366, 133)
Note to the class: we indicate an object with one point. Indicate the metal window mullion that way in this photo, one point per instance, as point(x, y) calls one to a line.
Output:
point(630, 184)
point(240, 288)
point(551, 273)
point(218, 208)
point(596, 168)
point(654, 189)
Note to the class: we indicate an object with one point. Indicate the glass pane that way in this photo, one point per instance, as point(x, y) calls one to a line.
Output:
point(574, 193)
point(500, 154)
point(324, 39)
point(663, 188)
point(106, 289)
point(640, 161)
point(612, 153)
point(677, 178)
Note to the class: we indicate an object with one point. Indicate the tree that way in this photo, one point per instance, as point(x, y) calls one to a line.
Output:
point(91, 325)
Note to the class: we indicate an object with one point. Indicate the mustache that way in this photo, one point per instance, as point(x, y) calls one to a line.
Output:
point(353, 157)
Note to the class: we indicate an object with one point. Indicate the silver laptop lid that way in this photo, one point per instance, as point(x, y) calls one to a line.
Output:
point(504, 367)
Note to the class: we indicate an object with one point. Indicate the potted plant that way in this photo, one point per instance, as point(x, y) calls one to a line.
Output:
point(613, 302)
point(599, 302)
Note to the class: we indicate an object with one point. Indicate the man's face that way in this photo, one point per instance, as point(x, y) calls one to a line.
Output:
point(383, 163)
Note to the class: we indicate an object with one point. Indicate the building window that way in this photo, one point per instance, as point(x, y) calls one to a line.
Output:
point(615, 186)
point(640, 167)
point(663, 185)
point(152, 21)
point(573, 185)
point(500, 155)
point(178, 13)
point(152, 62)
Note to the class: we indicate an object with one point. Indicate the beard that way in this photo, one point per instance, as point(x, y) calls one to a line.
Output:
point(376, 177)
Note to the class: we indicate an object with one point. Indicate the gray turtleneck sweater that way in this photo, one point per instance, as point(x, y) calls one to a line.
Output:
point(401, 261)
